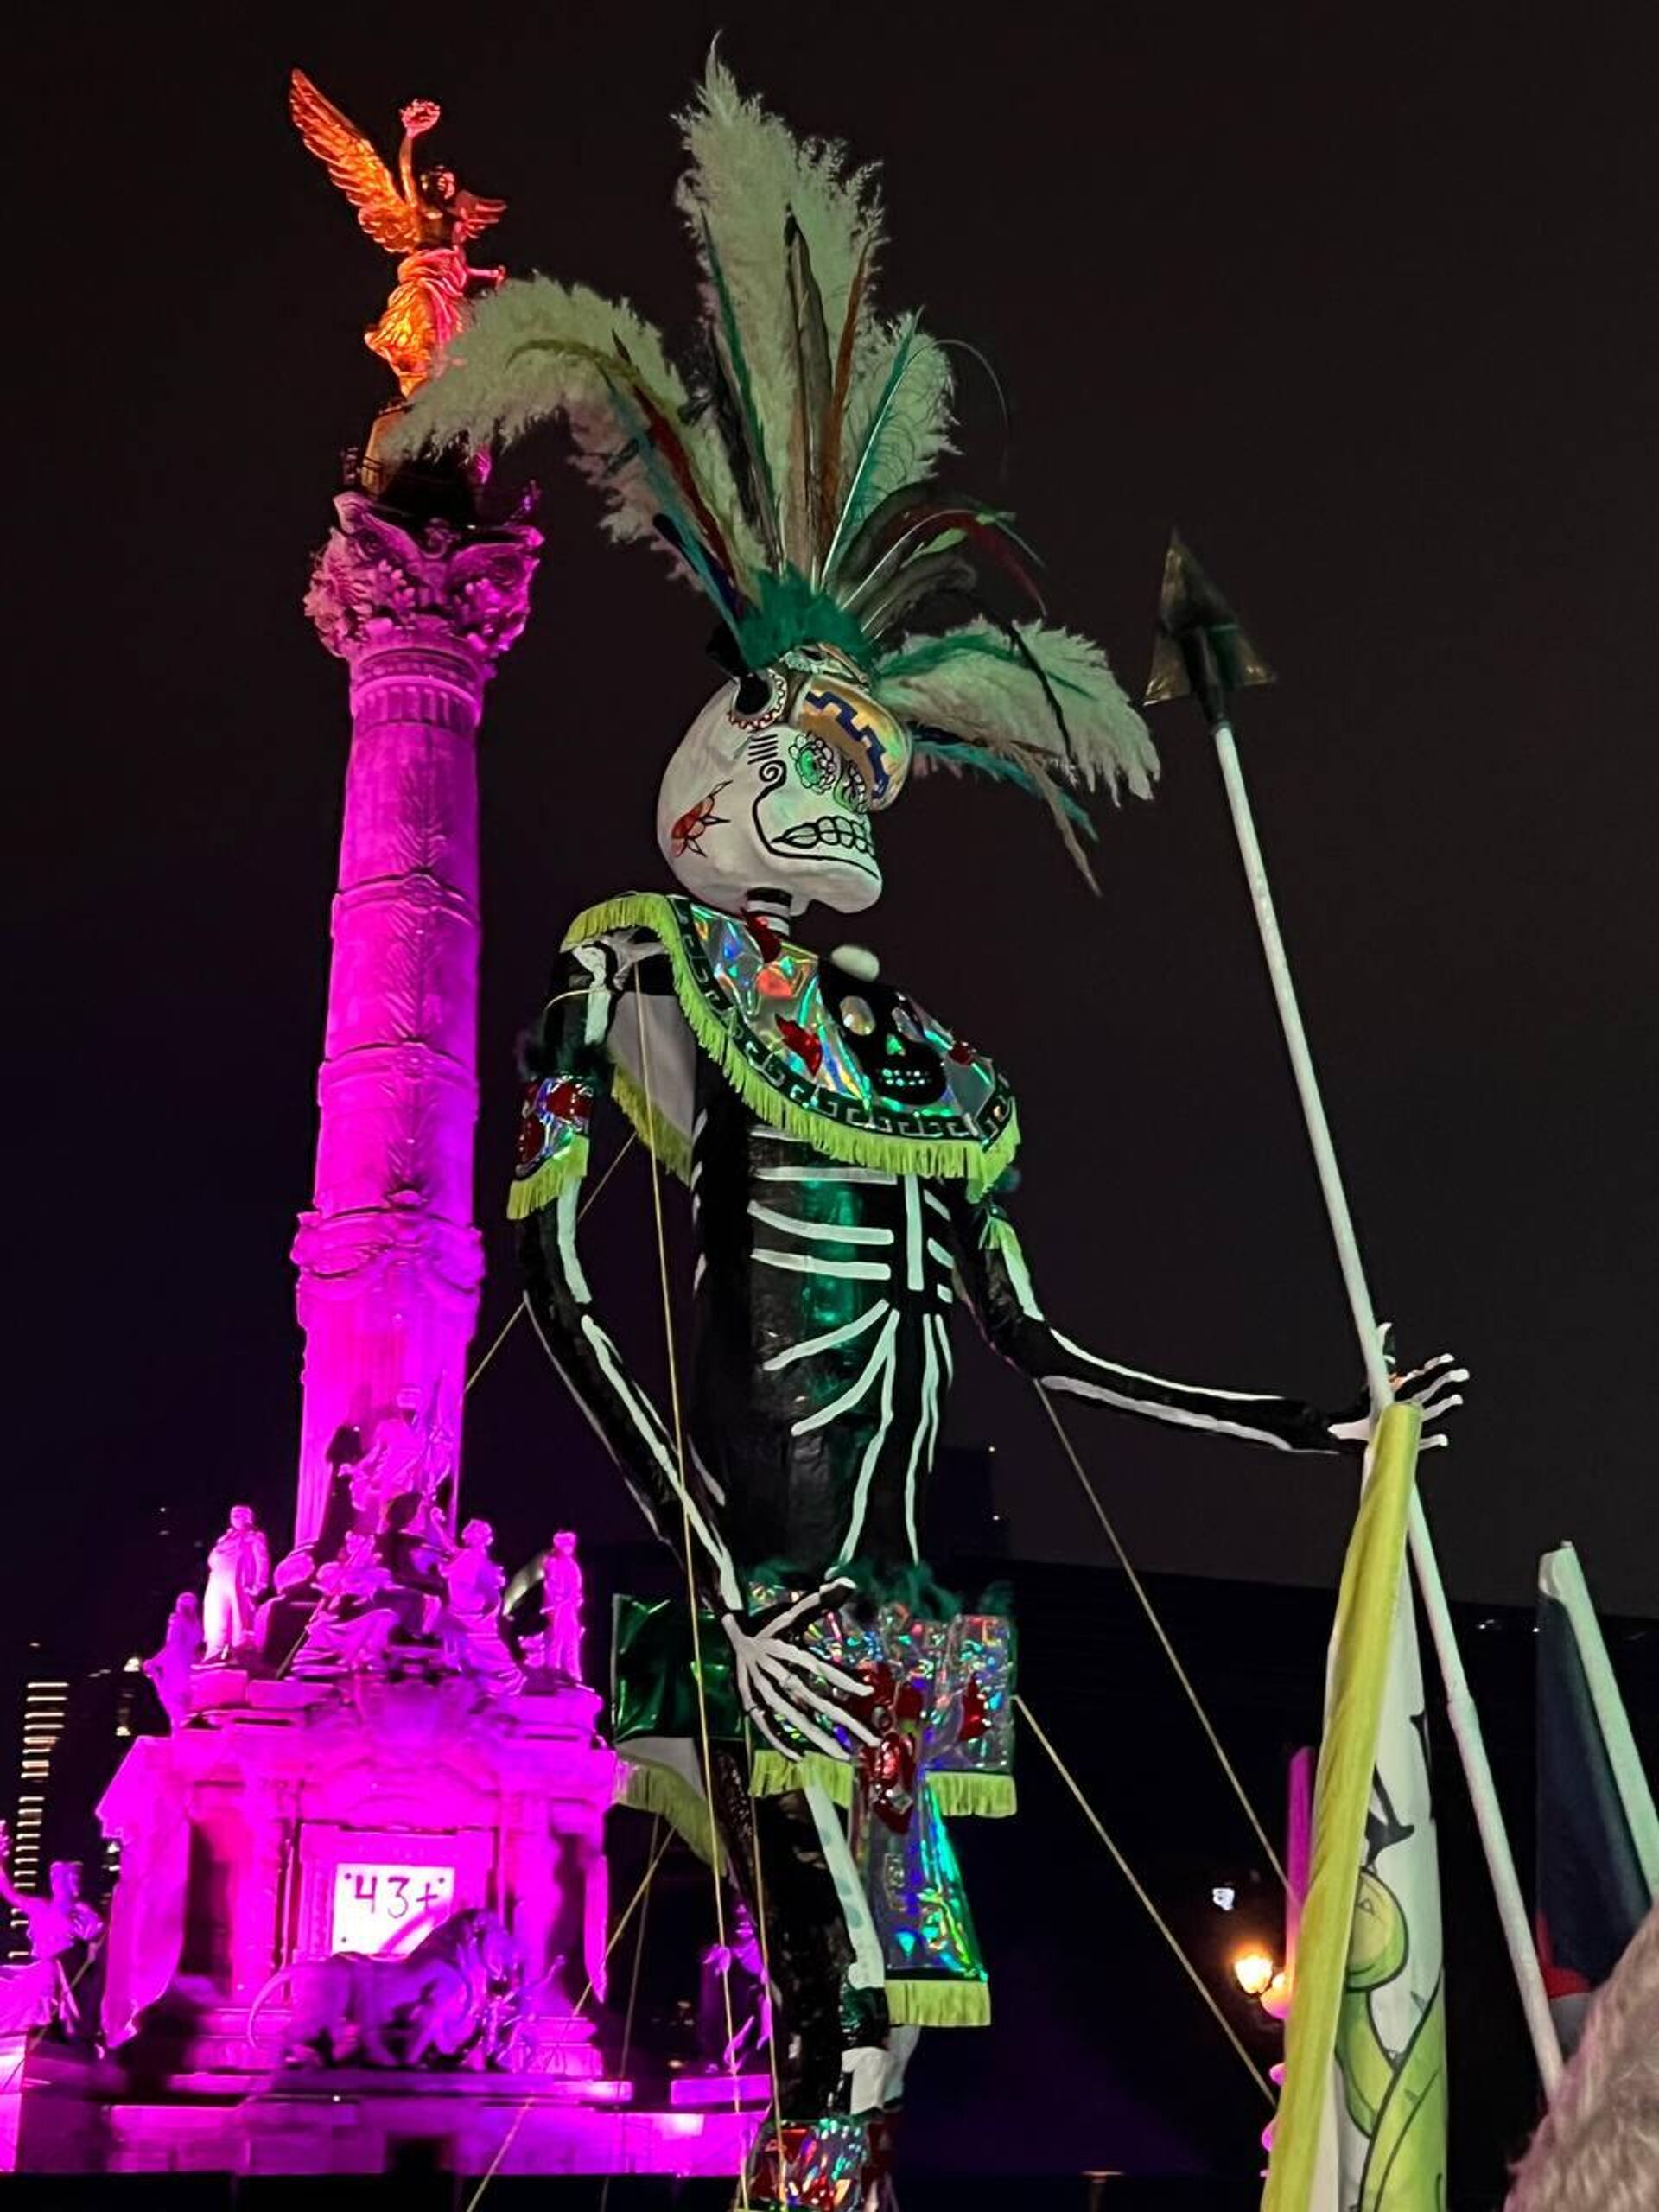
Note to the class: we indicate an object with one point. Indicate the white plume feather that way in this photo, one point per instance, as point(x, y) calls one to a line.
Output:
point(536, 349)
point(971, 682)
point(749, 174)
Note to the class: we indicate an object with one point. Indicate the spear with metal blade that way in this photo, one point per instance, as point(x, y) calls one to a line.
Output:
point(1203, 653)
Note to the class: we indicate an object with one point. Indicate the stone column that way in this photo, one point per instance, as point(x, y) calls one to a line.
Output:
point(388, 1258)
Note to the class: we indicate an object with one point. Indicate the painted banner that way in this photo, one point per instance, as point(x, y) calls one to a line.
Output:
point(1362, 2125)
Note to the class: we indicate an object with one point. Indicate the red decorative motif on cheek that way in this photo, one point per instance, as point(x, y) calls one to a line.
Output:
point(687, 833)
point(805, 1045)
point(766, 937)
point(961, 1052)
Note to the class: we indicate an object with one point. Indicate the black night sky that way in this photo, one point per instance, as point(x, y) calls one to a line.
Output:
point(1363, 300)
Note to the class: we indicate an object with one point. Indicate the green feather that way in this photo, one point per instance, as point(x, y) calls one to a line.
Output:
point(957, 755)
point(909, 429)
point(637, 434)
point(974, 683)
point(791, 610)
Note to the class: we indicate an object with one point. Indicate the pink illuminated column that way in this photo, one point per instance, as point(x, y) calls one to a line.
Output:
point(389, 1257)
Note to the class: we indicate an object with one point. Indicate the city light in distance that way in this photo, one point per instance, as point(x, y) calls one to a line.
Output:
point(1253, 1970)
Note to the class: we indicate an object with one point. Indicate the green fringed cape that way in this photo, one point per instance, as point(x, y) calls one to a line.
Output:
point(753, 1005)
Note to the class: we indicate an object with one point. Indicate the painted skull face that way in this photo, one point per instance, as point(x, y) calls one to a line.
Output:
point(772, 789)
point(885, 1035)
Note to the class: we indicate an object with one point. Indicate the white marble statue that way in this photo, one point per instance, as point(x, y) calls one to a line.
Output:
point(470, 1624)
point(357, 1614)
point(238, 1573)
point(61, 1925)
point(562, 1609)
point(733, 2005)
point(181, 1646)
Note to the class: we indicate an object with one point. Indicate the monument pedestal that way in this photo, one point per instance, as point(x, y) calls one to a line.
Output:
point(285, 1821)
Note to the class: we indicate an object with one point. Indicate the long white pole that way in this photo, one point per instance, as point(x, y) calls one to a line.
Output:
point(1459, 1704)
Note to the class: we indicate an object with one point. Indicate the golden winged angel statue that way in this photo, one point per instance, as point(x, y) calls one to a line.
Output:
point(422, 216)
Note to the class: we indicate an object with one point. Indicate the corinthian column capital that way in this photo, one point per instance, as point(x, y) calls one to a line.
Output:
point(385, 585)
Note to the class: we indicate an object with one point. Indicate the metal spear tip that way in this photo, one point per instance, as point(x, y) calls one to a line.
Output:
point(1201, 652)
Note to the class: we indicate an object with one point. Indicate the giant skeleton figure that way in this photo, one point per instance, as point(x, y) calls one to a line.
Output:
point(845, 1152)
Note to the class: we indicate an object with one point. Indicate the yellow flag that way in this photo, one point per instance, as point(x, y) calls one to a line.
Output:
point(1361, 2122)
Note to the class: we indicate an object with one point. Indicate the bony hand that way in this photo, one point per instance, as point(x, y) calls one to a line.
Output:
point(780, 1686)
point(419, 117)
point(1432, 1388)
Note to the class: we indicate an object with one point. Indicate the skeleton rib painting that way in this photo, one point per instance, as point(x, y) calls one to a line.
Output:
point(845, 1152)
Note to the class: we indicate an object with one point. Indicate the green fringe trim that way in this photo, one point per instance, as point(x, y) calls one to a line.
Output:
point(978, 1166)
point(550, 1180)
point(647, 1788)
point(939, 2003)
point(973, 1795)
point(654, 1130)
point(771, 1774)
point(957, 1796)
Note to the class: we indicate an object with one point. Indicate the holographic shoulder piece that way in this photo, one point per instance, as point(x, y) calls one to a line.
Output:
point(856, 1068)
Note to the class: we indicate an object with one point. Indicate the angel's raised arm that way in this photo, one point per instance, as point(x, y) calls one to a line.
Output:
point(417, 119)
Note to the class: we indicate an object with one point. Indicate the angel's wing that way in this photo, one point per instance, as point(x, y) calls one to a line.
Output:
point(478, 214)
point(355, 167)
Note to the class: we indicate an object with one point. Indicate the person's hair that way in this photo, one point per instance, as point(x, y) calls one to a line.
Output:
point(1596, 2148)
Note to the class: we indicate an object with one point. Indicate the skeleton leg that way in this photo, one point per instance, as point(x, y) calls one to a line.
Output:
point(826, 1965)
point(828, 2006)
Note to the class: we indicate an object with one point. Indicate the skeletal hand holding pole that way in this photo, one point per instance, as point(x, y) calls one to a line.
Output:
point(1203, 650)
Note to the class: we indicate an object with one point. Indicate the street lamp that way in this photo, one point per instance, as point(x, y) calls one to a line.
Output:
point(1253, 1970)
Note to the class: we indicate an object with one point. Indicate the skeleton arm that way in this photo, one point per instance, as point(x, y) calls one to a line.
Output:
point(993, 1271)
point(778, 1681)
point(569, 1071)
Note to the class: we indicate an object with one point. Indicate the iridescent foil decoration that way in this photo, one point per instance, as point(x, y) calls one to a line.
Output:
point(981, 1660)
point(552, 1154)
point(940, 1700)
point(815, 2165)
point(788, 1032)
point(653, 1677)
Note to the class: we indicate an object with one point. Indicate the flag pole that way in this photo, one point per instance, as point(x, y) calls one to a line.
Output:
point(1201, 649)
point(1460, 1703)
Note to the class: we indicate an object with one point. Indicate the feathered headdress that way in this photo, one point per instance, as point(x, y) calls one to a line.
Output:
point(788, 462)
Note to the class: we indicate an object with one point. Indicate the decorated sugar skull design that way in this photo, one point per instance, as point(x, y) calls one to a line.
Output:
point(886, 1033)
point(773, 788)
